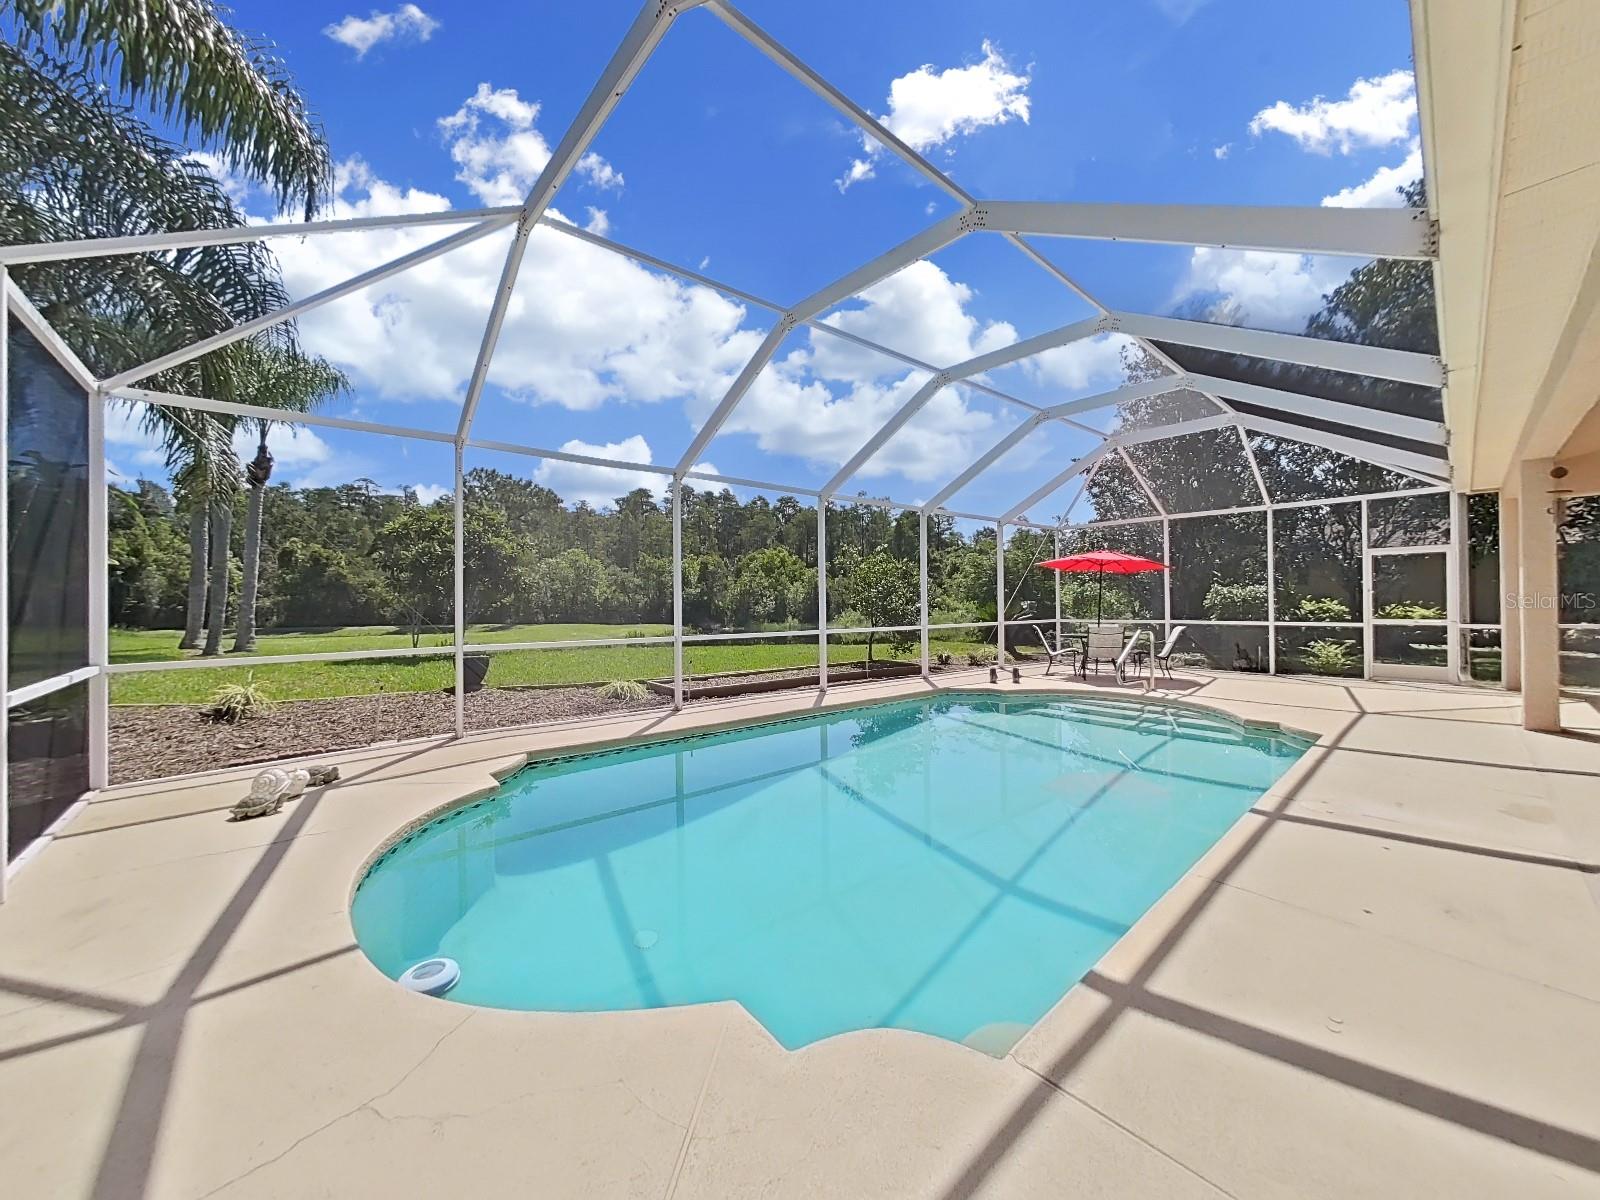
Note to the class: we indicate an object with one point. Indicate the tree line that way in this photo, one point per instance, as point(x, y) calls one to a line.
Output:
point(357, 555)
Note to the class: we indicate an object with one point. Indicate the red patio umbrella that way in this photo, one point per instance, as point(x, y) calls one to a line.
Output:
point(1103, 563)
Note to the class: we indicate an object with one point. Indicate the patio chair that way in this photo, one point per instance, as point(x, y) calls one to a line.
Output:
point(1067, 653)
point(1105, 646)
point(1164, 655)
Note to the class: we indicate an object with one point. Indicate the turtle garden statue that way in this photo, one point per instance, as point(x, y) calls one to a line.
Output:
point(273, 786)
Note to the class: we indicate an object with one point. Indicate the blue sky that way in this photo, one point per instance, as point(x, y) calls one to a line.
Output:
point(716, 159)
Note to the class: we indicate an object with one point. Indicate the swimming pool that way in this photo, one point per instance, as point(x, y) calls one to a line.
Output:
point(950, 865)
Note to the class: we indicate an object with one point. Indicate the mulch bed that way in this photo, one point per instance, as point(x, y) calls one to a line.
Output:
point(156, 740)
point(151, 741)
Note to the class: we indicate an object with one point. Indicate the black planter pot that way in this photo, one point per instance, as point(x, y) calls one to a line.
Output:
point(474, 669)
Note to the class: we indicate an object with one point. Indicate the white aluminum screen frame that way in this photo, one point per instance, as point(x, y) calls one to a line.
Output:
point(1397, 233)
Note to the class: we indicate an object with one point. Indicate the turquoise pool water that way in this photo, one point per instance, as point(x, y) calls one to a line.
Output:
point(946, 865)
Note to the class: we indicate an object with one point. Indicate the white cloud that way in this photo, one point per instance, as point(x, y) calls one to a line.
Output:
point(599, 172)
point(598, 222)
point(238, 187)
point(1382, 189)
point(1375, 112)
point(599, 486)
point(929, 108)
point(1221, 152)
point(301, 458)
point(1092, 362)
point(496, 147)
point(294, 450)
point(124, 429)
point(363, 33)
point(1259, 288)
point(584, 327)
point(587, 329)
point(919, 311)
point(427, 493)
point(793, 410)
point(499, 151)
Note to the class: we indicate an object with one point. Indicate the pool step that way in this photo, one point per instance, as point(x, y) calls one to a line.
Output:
point(1188, 725)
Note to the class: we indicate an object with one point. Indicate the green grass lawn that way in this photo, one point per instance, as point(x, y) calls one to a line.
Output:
point(161, 645)
point(582, 665)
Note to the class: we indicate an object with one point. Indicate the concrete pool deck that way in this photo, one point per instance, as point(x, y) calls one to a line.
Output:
point(1384, 981)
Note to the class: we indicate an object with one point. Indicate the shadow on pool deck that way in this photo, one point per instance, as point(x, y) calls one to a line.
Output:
point(1135, 996)
point(126, 1157)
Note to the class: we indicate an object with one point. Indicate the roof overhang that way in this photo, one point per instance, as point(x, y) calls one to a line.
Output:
point(1510, 118)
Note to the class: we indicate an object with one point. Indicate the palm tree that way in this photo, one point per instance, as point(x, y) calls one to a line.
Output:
point(295, 382)
point(221, 529)
point(184, 62)
point(76, 161)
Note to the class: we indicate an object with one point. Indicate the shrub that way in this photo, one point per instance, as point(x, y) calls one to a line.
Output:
point(623, 689)
point(1410, 612)
point(1325, 656)
point(983, 658)
point(1321, 608)
point(1236, 601)
point(235, 702)
point(944, 658)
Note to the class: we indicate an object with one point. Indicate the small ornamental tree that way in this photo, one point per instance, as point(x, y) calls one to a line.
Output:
point(416, 554)
point(884, 590)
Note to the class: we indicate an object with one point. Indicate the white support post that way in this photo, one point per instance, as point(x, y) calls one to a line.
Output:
point(460, 592)
point(822, 594)
point(1166, 576)
point(1272, 595)
point(1055, 543)
point(677, 592)
point(99, 615)
point(1366, 593)
point(1000, 594)
point(922, 601)
point(1510, 593)
point(1455, 584)
point(1538, 593)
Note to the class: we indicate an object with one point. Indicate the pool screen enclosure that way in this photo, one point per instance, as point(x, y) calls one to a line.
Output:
point(1313, 458)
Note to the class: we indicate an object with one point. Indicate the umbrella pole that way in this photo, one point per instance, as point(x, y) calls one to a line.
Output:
point(1099, 595)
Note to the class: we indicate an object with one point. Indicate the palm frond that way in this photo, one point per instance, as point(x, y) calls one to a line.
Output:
point(74, 164)
point(183, 60)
